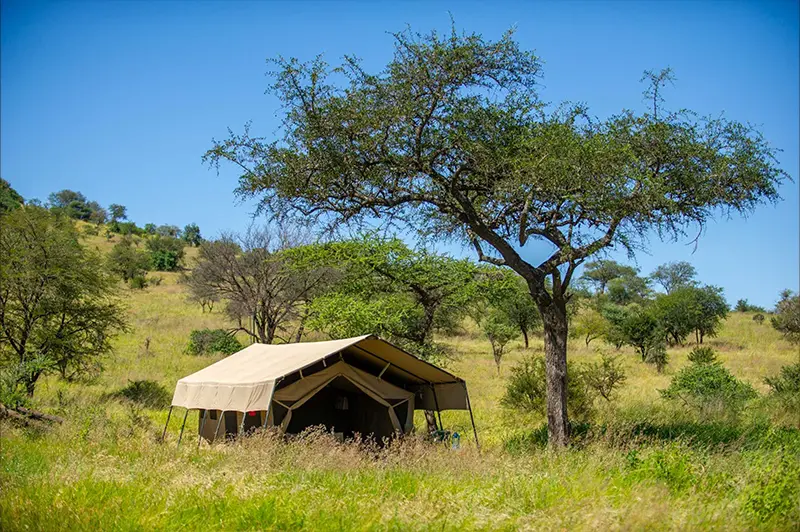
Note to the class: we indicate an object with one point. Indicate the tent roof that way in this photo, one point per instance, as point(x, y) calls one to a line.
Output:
point(246, 380)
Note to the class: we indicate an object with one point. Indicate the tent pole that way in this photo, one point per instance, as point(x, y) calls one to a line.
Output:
point(269, 404)
point(436, 400)
point(183, 425)
point(202, 426)
point(472, 418)
point(219, 421)
point(164, 435)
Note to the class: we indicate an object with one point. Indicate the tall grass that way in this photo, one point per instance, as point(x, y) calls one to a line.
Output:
point(642, 464)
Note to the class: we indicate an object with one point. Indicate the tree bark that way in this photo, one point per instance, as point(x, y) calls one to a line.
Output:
point(554, 317)
point(525, 336)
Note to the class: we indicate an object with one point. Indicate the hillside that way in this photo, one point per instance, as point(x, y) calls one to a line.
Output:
point(643, 464)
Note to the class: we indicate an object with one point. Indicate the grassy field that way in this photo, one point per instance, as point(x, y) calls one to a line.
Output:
point(643, 464)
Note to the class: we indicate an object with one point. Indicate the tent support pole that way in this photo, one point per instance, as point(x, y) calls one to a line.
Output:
point(219, 421)
point(183, 425)
point(202, 426)
point(164, 434)
point(436, 400)
point(241, 425)
point(269, 404)
point(472, 418)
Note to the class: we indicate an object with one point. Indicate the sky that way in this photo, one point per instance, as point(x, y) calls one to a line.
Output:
point(119, 100)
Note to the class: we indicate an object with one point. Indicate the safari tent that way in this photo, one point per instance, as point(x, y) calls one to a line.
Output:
point(361, 385)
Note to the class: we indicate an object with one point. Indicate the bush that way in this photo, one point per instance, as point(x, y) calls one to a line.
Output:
point(166, 253)
point(127, 261)
point(527, 390)
point(758, 318)
point(210, 341)
point(786, 387)
point(657, 356)
point(604, 377)
point(787, 316)
point(702, 355)
point(138, 282)
point(709, 388)
point(144, 392)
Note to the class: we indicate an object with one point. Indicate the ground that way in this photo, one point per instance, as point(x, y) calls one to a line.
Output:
point(643, 464)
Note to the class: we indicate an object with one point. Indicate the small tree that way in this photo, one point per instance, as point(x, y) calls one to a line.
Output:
point(127, 261)
point(590, 324)
point(170, 231)
point(118, 212)
point(9, 198)
point(150, 228)
point(628, 289)
point(57, 310)
point(787, 316)
point(166, 253)
point(191, 235)
point(600, 272)
point(642, 331)
point(508, 293)
point(605, 377)
point(499, 330)
point(674, 275)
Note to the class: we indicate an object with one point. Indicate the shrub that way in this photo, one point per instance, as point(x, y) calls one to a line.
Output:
point(127, 261)
point(527, 390)
point(702, 355)
point(138, 282)
point(786, 386)
point(758, 318)
point(709, 388)
point(787, 316)
point(144, 392)
point(209, 341)
point(499, 330)
point(657, 356)
point(166, 253)
point(604, 377)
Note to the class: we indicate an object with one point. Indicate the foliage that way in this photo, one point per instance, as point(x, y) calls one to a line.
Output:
point(502, 290)
point(9, 198)
point(786, 387)
point(211, 341)
point(600, 272)
point(674, 275)
point(117, 212)
point(691, 309)
point(709, 388)
point(127, 260)
point(150, 228)
point(144, 392)
point(424, 291)
point(657, 356)
point(641, 330)
point(499, 330)
point(743, 305)
point(616, 316)
point(451, 139)
point(758, 318)
point(589, 324)
point(604, 377)
point(56, 299)
point(170, 231)
point(166, 253)
point(191, 235)
point(526, 389)
point(125, 228)
point(75, 205)
point(628, 289)
point(139, 281)
point(787, 316)
point(255, 277)
point(702, 355)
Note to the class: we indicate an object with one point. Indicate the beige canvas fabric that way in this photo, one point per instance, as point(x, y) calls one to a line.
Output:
point(246, 380)
point(381, 391)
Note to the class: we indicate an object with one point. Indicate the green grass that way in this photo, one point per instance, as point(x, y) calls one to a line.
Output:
point(643, 464)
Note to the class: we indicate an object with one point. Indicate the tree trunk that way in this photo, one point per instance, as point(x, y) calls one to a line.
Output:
point(430, 421)
point(525, 336)
point(554, 317)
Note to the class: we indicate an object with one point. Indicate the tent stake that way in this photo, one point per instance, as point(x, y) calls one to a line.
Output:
point(472, 418)
point(216, 431)
point(164, 435)
point(202, 426)
point(183, 425)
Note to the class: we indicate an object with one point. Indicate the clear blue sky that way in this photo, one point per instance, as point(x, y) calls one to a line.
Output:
point(119, 100)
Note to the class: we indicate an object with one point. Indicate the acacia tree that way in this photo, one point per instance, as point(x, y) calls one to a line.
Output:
point(58, 312)
point(451, 140)
point(384, 286)
point(674, 275)
point(599, 273)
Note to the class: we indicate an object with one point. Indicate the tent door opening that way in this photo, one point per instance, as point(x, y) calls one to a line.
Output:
point(343, 408)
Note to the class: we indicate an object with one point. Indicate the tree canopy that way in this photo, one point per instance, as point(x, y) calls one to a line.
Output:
point(9, 198)
point(674, 275)
point(451, 139)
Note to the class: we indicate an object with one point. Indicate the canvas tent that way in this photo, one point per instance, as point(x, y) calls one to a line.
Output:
point(361, 385)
